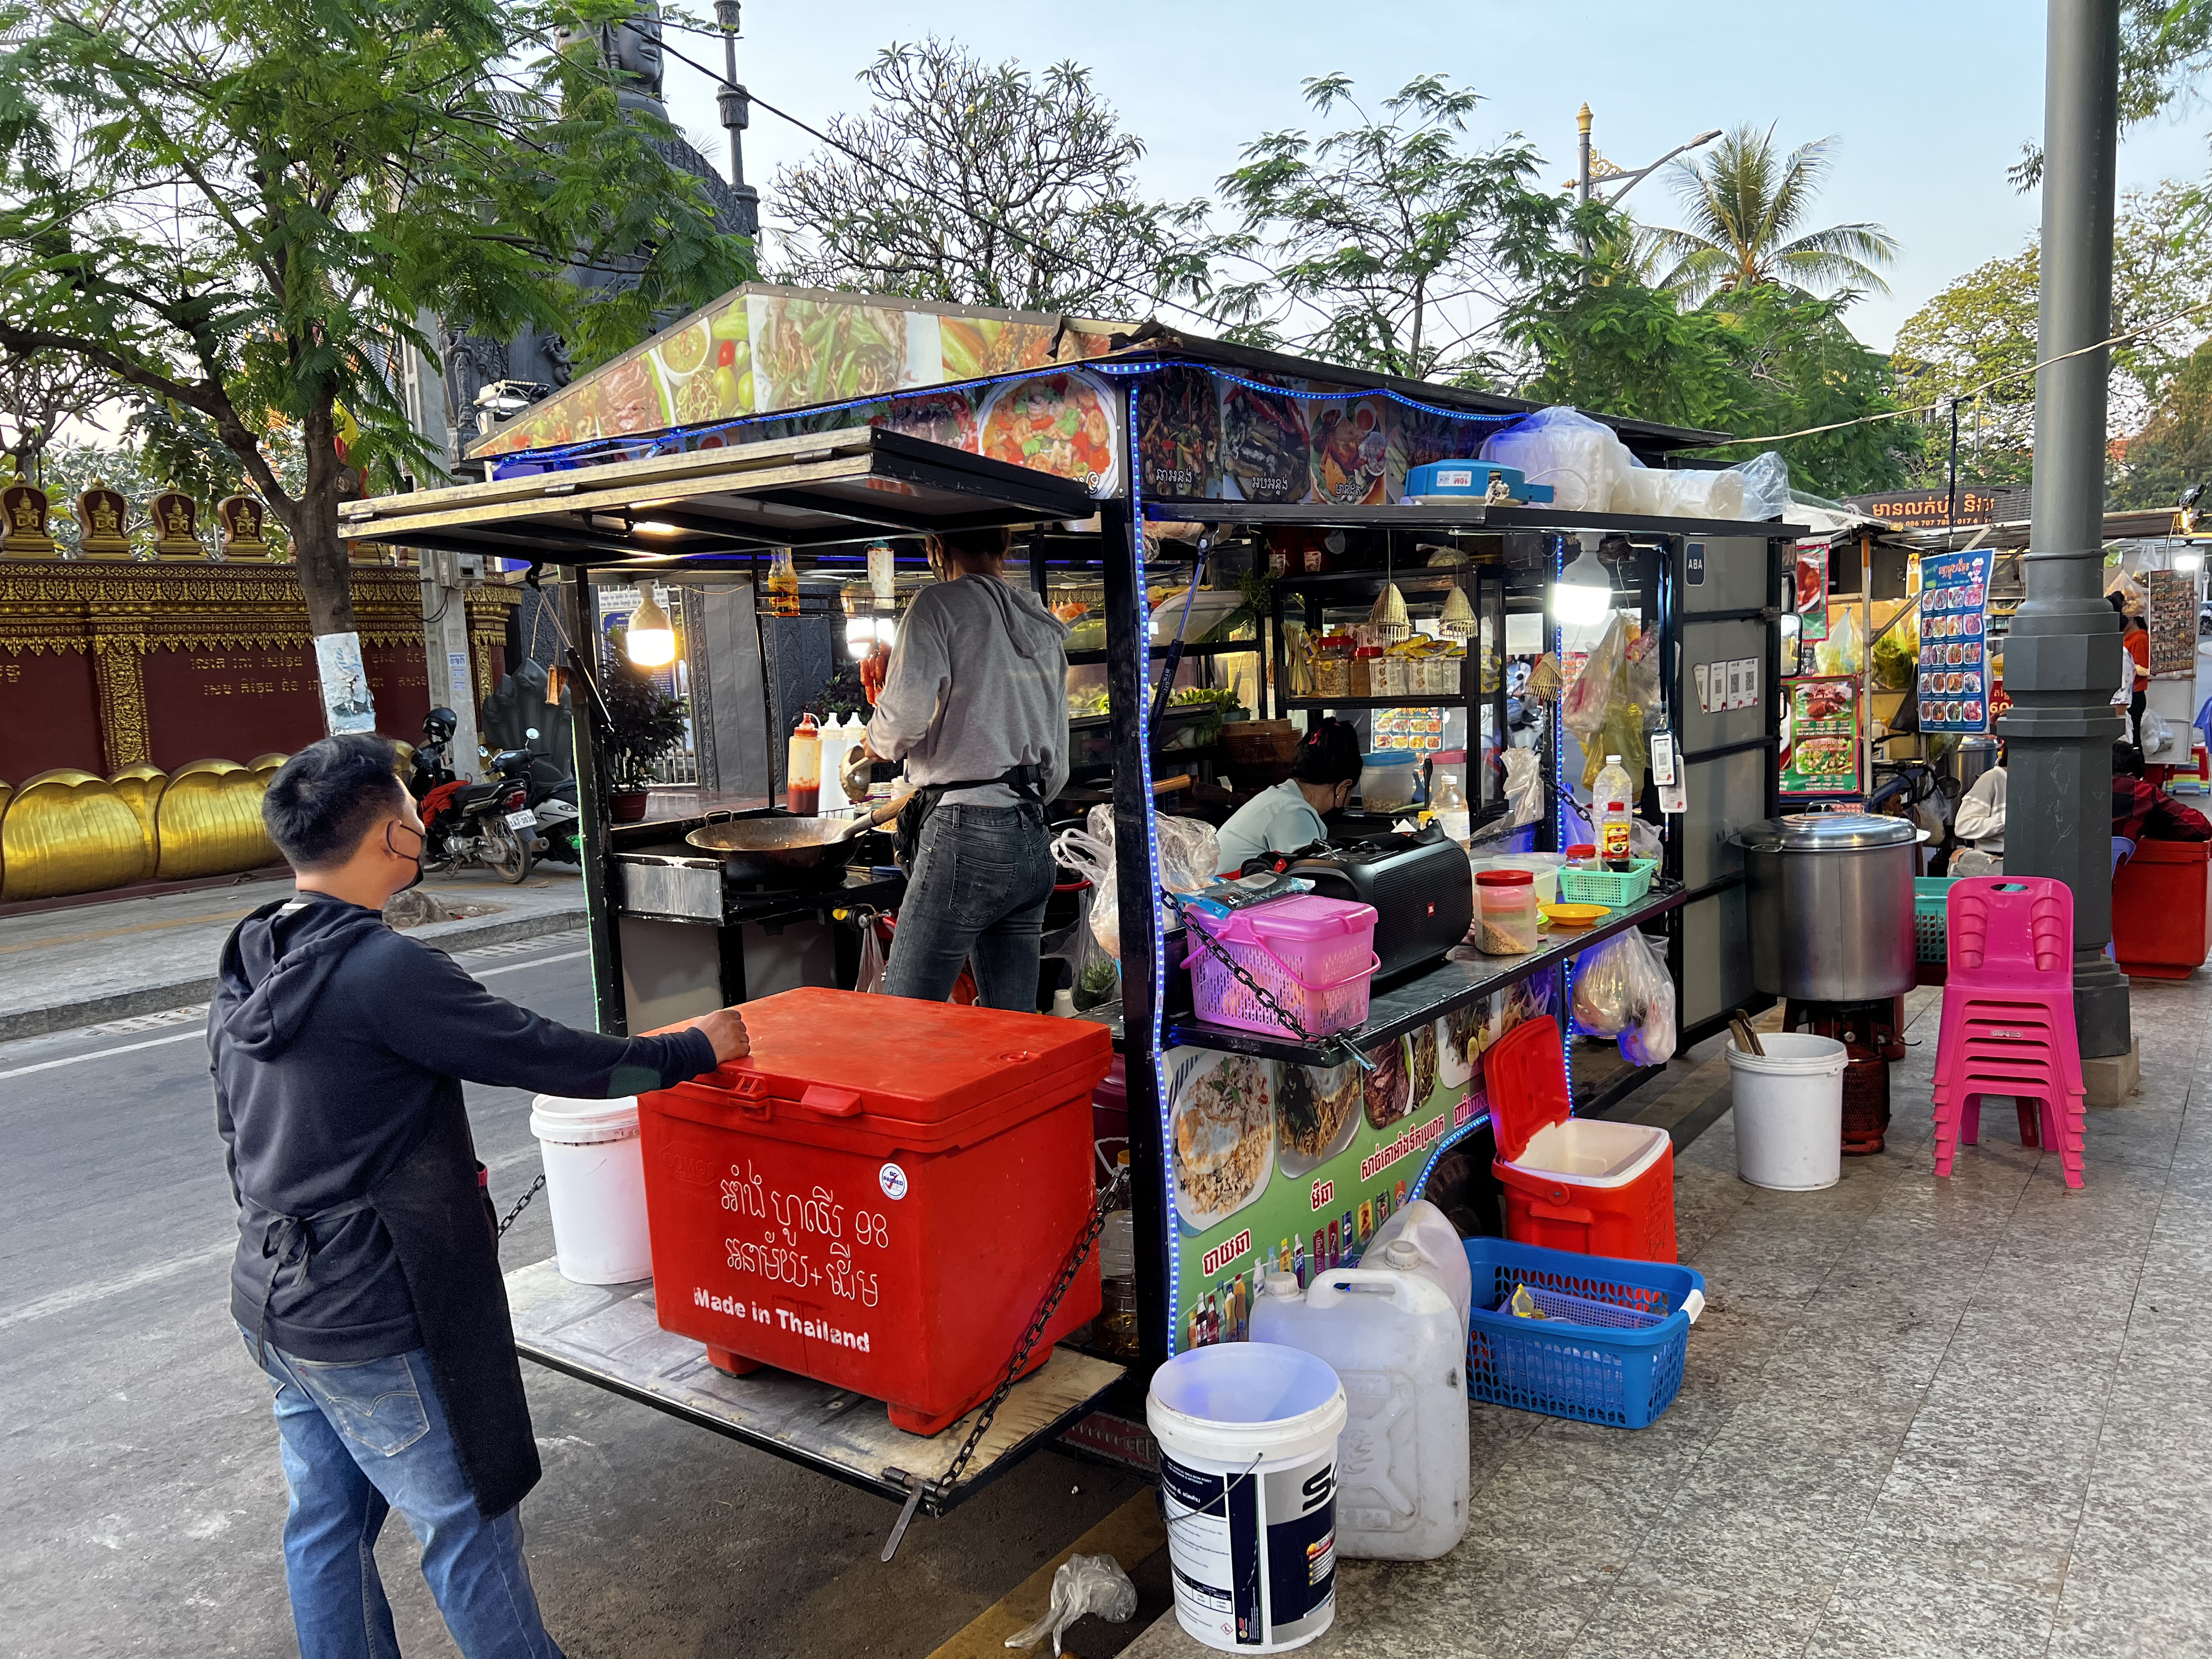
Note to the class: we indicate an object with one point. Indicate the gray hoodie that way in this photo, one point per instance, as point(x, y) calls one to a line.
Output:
point(979, 685)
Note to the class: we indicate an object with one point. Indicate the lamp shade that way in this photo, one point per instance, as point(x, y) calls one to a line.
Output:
point(651, 639)
point(1584, 593)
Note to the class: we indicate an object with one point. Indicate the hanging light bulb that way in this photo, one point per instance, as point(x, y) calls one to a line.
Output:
point(1584, 593)
point(1458, 619)
point(651, 640)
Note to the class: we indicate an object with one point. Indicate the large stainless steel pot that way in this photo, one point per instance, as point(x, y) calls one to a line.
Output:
point(1831, 905)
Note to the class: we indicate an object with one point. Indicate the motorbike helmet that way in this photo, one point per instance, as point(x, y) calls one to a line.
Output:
point(438, 725)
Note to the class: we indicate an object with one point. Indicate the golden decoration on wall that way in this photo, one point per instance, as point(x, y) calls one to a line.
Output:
point(269, 764)
point(103, 518)
point(210, 821)
point(23, 533)
point(242, 518)
point(67, 831)
point(177, 527)
point(6, 794)
point(118, 671)
point(141, 788)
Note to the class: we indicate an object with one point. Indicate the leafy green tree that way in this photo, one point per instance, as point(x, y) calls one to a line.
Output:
point(983, 184)
point(1745, 205)
point(1755, 360)
point(2174, 449)
point(241, 208)
point(1982, 326)
point(1404, 241)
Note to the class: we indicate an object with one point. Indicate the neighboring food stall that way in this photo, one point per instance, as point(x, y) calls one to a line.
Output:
point(1162, 472)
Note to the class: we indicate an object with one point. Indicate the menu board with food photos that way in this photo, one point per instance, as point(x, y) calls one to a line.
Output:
point(1955, 626)
point(1277, 1165)
point(1821, 751)
point(2170, 613)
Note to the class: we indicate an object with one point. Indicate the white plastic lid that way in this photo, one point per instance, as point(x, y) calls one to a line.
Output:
point(568, 1123)
point(1613, 760)
point(1402, 1252)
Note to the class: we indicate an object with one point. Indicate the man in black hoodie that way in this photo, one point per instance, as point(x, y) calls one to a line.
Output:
point(367, 1281)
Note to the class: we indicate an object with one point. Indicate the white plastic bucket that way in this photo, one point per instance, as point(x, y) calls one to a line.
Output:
point(1247, 1483)
point(595, 1185)
point(1790, 1111)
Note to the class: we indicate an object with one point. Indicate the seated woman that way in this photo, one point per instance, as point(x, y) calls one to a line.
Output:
point(1289, 815)
point(1980, 820)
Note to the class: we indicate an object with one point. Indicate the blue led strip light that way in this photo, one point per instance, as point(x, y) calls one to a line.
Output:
point(1136, 553)
point(1561, 794)
point(1418, 1186)
point(680, 439)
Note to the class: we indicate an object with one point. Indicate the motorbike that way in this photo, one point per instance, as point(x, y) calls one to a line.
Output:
point(488, 824)
point(553, 799)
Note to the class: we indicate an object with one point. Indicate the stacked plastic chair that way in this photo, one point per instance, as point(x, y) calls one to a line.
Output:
point(2008, 1015)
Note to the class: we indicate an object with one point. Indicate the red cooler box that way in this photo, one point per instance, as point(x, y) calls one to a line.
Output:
point(879, 1197)
point(2159, 902)
point(1584, 1184)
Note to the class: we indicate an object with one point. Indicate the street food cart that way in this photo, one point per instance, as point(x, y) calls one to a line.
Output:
point(1182, 457)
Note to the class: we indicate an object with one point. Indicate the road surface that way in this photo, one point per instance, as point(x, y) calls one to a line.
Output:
point(141, 1502)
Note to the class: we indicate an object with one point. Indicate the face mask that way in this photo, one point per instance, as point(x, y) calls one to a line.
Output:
point(417, 855)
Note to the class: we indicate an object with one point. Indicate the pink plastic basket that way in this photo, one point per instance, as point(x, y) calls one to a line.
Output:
point(1314, 954)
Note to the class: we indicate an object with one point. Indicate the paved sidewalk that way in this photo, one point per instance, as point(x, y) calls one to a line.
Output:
point(1920, 1418)
point(113, 960)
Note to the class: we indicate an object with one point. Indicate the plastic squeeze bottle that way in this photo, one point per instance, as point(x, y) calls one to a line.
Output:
point(802, 785)
point(1609, 807)
point(1451, 810)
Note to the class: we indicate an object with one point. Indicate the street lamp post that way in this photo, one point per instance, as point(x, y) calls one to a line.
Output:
point(1587, 159)
point(2063, 655)
point(736, 112)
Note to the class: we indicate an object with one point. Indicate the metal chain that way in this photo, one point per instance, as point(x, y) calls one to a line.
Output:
point(521, 1204)
point(1337, 1041)
point(1078, 1254)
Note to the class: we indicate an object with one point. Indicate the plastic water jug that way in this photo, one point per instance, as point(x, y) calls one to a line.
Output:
point(1398, 1346)
point(1431, 1249)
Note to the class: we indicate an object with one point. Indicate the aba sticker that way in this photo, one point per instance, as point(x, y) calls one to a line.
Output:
point(892, 1180)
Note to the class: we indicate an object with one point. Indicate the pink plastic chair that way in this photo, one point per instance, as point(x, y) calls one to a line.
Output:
point(2009, 1015)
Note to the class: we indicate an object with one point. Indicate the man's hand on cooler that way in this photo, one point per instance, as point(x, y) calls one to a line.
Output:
point(724, 1029)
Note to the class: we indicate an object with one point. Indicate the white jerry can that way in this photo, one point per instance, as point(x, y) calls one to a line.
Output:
point(1395, 1342)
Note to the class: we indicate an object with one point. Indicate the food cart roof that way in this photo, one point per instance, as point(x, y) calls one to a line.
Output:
point(820, 489)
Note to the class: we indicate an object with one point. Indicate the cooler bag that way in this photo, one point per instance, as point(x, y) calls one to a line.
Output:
point(879, 1196)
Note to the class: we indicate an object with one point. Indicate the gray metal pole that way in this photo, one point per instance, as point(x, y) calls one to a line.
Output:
point(735, 110)
point(1582, 171)
point(2061, 661)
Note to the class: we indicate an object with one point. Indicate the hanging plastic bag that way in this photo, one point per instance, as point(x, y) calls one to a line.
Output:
point(1190, 853)
point(1765, 485)
point(1844, 652)
point(1604, 1006)
point(1580, 458)
point(1524, 786)
point(1190, 859)
point(1583, 707)
point(1650, 1040)
point(1639, 675)
point(871, 980)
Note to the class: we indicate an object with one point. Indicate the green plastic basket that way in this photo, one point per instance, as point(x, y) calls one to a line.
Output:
point(1931, 897)
point(1606, 886)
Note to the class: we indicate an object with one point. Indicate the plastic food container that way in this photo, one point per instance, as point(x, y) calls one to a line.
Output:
point(885, 1215)
point(1543, 866)
point(1506, 924)
point(1314, 956)
point(1387, 779)
point(1366, 661)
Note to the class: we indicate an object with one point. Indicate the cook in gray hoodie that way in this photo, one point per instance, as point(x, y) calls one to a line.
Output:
point(976, 704)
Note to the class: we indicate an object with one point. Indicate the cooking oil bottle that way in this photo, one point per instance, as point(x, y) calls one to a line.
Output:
point(1611, 812)
point(782, 584)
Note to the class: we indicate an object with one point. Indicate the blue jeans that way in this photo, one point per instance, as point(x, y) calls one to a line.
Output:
point(360, 1440)
point(976, 893)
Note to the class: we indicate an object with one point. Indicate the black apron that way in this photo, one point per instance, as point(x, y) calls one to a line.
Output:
point(436, 1209)
point(1026, 781)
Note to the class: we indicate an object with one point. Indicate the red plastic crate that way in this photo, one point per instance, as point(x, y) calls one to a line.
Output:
point(879, 1197)
point(1525, 1075)
point(2160, 897)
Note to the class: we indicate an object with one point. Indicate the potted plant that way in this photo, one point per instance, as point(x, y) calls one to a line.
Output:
point(645, 727)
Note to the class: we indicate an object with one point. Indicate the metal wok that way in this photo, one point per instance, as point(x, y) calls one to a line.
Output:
point(789, 852)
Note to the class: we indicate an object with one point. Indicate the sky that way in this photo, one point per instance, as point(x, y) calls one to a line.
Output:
point(1929, 103)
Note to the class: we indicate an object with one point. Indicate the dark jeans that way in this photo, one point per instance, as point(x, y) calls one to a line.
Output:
point(360, 1440)
point(976, 893)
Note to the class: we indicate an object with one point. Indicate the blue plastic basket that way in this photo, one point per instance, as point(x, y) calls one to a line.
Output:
point(1610, 1349)
point(1931, 936)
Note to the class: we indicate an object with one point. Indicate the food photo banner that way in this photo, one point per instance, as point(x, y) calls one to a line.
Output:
point(1202, 433)
point(1954, 669)
point(1291, 1167)
point(1822, 754)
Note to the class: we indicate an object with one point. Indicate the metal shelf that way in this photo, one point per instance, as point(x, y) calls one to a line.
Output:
point(1432, 700)
point(1219, 648)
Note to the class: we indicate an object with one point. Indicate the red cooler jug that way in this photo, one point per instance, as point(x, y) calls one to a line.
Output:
point(879, 1196)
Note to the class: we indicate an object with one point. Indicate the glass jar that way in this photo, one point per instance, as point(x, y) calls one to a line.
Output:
point(1505, 924)
point(1332, 671)
point(1363, 661)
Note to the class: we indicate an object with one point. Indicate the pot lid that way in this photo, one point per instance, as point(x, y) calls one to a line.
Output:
point(1823, 832)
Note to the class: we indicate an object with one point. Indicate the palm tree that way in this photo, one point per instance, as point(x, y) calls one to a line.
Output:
point(1744, 203)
